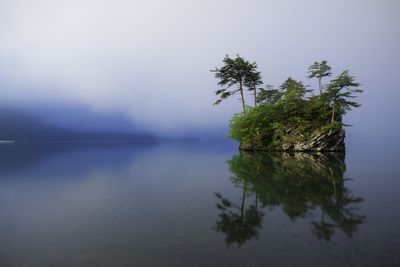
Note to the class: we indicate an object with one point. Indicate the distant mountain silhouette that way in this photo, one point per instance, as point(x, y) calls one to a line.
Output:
point(20, 126)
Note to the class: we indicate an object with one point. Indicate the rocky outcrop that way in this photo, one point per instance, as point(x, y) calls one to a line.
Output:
point(319, 140)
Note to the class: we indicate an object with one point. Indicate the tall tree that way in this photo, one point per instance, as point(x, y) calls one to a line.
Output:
point(340, 98)
point(235, 72)
point(319, 71)
point(252, 81)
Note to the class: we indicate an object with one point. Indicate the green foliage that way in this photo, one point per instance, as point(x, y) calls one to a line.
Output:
point(252, 82)
point(331, 127)
point(289, 114)
point(340, 93)
point(292, 100)
point(293, 88)
point(253, 126)
point(236, 72)
point(269, 95)
point(319, 71)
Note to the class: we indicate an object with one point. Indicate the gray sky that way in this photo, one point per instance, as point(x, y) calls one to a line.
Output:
point(150, 60)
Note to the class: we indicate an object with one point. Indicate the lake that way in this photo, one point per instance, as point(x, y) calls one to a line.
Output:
point(196, 203)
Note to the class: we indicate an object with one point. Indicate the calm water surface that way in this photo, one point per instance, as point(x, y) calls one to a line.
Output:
point(196, 204)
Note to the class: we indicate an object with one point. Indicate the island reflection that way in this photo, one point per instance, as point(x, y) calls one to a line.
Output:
point(298, 183)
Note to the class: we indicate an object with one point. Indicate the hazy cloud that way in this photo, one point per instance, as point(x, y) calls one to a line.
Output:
point(150, 59)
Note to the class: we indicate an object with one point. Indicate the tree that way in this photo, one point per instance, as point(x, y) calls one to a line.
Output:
point(269, 95)
point(295, 88)
point(237, 72)
point(319, 70)
point(252, 81)
point(341, 99)
point(293, 96)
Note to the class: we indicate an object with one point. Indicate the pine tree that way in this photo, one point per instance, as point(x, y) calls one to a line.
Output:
point(252, 81)
point(319, 70)
point(235, 72)
point(269, 95)
point(340, 91)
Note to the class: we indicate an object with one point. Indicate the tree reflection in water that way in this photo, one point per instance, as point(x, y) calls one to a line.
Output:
point(299, 183)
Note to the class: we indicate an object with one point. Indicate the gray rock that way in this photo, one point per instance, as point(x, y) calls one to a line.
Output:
point(319, 141)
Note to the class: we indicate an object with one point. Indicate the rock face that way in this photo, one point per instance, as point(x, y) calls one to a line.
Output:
point(330, 141)
point(321, 141)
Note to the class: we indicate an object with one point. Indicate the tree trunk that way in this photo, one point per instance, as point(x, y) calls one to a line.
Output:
point(333, 109)
point(241, 95)
point(255, 96)
point(320, 86)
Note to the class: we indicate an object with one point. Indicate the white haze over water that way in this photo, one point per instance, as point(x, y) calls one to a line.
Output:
point(150, 60)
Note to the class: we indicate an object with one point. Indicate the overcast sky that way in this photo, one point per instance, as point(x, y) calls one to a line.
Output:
point(149, 61)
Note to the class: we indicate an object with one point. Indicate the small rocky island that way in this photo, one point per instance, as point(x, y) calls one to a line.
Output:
point(290, 117)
